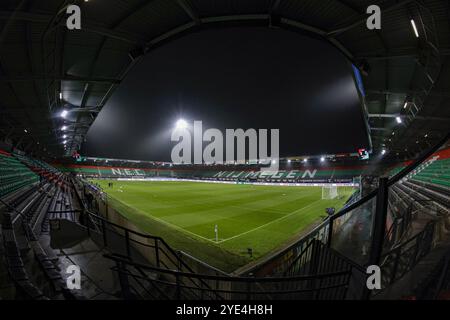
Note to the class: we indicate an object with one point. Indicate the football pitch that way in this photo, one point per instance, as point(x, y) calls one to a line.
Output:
point(185, 214)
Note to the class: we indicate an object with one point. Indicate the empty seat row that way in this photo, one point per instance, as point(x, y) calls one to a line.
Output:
point(14, 175)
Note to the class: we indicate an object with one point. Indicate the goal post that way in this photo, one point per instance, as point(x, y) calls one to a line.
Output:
point(329, 192)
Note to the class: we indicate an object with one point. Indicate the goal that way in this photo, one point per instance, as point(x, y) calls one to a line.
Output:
point(329, 192)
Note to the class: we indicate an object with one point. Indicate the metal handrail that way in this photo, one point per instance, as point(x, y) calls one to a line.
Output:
point(224, 278)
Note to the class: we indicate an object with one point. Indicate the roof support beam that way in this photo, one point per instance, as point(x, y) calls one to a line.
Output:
point(189, 10)
point(400, 53)
point(25, 78)
point(363, 18)
point(386, 115)
point(87, 26)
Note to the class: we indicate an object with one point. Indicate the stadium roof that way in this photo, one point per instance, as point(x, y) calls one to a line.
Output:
point(45, 68)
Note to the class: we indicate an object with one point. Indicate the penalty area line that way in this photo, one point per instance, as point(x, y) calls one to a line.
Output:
point(150, 216)
point(269, 223)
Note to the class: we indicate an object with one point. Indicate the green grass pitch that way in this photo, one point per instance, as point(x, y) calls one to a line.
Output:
point(184, 214)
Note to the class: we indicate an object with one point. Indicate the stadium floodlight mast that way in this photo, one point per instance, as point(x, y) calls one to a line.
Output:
point(233, 139)
point(414, 28)
point(181, 124)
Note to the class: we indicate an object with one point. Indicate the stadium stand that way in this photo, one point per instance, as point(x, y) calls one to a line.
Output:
point(39, 167)
point(14, 175)
point(416, 202)
point(25, 208)
point(305, 174)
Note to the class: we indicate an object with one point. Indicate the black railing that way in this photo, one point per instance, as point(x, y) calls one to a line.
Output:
point(349, 233)
point(135, 244)
point(404, 257)
point(339, 230)
point(141, 281)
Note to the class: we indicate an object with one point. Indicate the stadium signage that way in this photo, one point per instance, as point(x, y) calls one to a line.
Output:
point(257, 146)
point(127, 172)
point(293, 174)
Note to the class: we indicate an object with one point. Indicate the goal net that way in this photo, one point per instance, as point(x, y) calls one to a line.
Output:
point(329, 192)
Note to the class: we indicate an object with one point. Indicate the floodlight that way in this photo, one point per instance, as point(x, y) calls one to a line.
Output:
point(63, 128)
point(405, 105)
point(65, 141)
point(25, 130)
point(383, 151)
point(322, 159)
point(64, 136)
point(415, 28)
point(181, 124)
point(64, 113)
point(289, 160)
point(274, 161)
point(305, 160)
point(60, 96)
point(398, 119)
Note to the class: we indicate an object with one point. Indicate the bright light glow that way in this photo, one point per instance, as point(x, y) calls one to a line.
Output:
point(25, 130)
point(64, 136)
point(393, 133)
point(426, 136)
point(405, 105)
point(383, 152)
point(60, 95)
point(398, 119)
point(305, 160)
point(64, 113)
point(181, 124)
point(65, 141)
point(415, 28)
point(289, 160)
point(63, 128)
point(274, 161)
point(322, 159)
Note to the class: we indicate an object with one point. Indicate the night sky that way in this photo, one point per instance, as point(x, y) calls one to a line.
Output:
point(234, 78)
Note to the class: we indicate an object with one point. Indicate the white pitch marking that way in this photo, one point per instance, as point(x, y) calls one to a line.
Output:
point(261, 226)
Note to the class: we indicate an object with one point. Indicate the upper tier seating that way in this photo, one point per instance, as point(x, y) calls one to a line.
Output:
point(14, 175)
point(39, 167)
point(437, 172)
point(35, 163)
point(428, 186)
point(305, 174)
